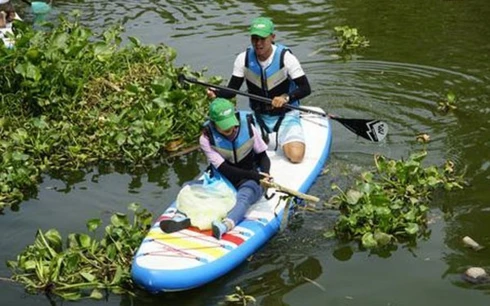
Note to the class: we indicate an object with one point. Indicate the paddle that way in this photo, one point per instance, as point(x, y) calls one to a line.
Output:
point(370, 129)
point(39, 7)
point(289, 191)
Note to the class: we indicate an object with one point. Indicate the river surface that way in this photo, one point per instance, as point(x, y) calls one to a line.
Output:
point(419, 51)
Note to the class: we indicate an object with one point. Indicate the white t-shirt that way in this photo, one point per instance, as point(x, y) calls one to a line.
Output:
point(291, 64)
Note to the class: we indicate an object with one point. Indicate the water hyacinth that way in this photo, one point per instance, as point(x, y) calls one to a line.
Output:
point(72, 98)
point(391, 202)
point(84, 266)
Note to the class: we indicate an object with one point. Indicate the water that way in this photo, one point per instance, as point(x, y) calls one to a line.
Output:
point(419, 51)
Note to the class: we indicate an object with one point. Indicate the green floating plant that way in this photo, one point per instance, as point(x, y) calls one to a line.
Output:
point(71, 98)
point(239, 298)
point(391, 202)
point(448, 104)
point(83, 267)
point(349, 38)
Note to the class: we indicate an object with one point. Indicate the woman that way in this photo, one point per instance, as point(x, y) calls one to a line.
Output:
point(234, 148)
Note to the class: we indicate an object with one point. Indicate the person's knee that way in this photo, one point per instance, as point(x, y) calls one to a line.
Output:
point(295, 157)
point(253, 185)
point(252, 189)
point(294, 151)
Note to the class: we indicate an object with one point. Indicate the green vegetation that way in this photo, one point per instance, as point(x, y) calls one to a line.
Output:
point(349, 39)
point(391, 202)
point(85, 267)
point(448, 104)
point(72, 98)
point(238, 298)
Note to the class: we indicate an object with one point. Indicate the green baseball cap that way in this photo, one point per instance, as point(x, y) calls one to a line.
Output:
point(262, 27)
point(222, 113)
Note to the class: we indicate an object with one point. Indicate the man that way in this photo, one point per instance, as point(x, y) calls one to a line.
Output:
point(7, 13)
point(234, 148)
point(272, 71)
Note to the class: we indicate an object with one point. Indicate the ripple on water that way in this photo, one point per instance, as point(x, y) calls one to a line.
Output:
point(404, 95)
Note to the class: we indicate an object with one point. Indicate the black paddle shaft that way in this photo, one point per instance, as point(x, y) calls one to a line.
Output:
point(252, 96)
point(370, 129)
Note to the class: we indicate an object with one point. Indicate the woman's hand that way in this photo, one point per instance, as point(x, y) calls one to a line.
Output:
point(265, 179)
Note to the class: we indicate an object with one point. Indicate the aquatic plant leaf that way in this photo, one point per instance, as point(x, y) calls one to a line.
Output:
point(72, 241)
point(134, 206)
point(29, 265)
point(329, 234)
point(93, 224)
point(70, 296)
point(71, 262)
point(368, 241)
point(117, 276)
point(433, 181)
point(28, 71)
point(53, 240)
point(353, 196)
point(135, 41)
point(111, 251)
point(382, 238)
point(96, 294)
point(88, 276)
point(382, 211)
point(119, 219)
point(84, 240)
point(451, 97)
point(60, 41)
point(103, 52)
point(417, 157)
point(412, 228)
point(120, 138)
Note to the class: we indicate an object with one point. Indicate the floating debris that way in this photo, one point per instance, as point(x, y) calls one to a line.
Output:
point(314, 283)
point(468, 241)
point(424, 138)
point(476, 275)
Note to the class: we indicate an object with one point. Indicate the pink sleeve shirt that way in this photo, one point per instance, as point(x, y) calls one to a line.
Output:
point(216, 159)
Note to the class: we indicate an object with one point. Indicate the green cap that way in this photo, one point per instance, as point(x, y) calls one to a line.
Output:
point(222, 113)
point(262, 27)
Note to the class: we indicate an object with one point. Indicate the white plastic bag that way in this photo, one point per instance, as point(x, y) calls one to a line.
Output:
point(204, 203)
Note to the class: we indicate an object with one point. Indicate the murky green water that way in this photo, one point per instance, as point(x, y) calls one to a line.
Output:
point(420, 50)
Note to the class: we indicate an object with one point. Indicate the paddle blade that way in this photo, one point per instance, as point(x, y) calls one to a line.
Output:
point(374, 130)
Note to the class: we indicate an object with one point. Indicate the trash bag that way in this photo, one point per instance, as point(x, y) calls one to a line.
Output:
point(207, 201)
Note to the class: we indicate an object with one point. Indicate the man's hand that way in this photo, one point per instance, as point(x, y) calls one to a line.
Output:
point(279, 101)
point(211, 92)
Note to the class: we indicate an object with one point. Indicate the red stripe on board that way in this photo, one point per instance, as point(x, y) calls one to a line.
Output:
point(197, 230)
point(231, 238)
point(228, 237)
point(163, 217)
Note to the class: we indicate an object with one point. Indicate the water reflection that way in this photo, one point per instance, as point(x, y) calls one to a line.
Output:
point(185, 168)
point(275, 277)
point(343, 253)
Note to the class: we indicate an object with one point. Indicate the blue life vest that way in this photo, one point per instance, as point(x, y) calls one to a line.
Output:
point(238, 151)
point(269, 82)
